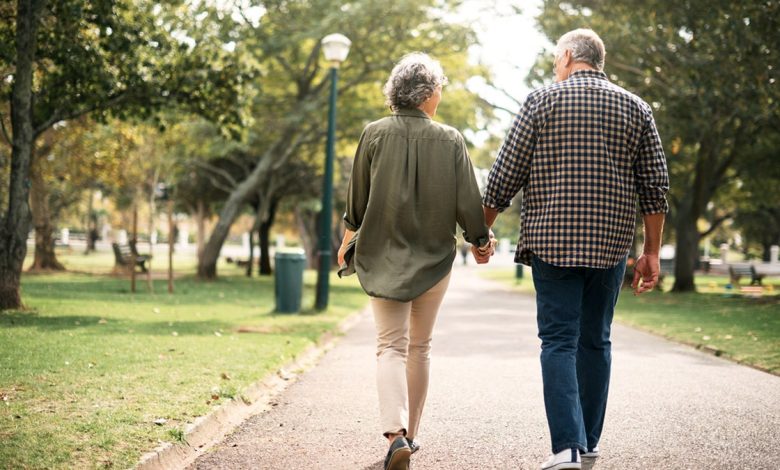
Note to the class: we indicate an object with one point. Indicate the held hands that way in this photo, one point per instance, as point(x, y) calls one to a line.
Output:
point(482, 254)
point(647, 269)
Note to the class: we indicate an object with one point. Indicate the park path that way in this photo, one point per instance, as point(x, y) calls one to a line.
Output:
point(671, 407)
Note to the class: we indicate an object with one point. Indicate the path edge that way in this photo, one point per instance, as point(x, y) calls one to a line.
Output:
point(206, 431)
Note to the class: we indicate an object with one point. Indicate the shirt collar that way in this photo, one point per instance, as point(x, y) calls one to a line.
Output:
point(589, 73)
point(414, 112)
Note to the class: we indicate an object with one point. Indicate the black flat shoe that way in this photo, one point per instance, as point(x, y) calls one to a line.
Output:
point(398, 455)
point(413, 445)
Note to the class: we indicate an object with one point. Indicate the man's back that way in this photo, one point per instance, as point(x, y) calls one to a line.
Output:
point(581, 150)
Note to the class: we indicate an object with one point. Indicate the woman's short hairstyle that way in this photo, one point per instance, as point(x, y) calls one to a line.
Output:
point(412, 81)
point(585, 46)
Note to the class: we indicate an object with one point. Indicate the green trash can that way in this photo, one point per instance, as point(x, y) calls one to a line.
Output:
point(288, 280)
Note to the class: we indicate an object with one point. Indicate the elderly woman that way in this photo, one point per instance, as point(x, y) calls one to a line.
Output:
point(412, 181)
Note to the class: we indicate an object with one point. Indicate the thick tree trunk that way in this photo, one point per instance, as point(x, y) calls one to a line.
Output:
point(686, 253)
point(45, 258)
point(15, 225)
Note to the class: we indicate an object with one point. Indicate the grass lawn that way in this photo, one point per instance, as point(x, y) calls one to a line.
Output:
point(742, 328)
point(90, 367)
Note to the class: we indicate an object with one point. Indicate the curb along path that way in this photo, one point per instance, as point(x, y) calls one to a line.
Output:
point(671, 407)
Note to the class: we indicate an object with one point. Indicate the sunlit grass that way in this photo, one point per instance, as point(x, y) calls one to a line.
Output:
point(90, 367)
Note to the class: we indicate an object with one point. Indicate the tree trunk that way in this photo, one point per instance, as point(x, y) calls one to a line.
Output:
point(45, 258)
point(307, 228)
point(264, 232)
point(207, 265)
point(15, 225)
point(200, 218)
point(251, 261)
point(91, 225)
point(686, 253)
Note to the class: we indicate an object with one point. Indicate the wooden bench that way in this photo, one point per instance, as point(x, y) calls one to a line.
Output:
point(123, 256)
point(737, 271)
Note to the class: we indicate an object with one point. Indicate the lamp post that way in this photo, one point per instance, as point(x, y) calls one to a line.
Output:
point(335, 47)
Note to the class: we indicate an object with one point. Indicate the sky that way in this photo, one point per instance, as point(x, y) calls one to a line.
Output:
point(509, 45)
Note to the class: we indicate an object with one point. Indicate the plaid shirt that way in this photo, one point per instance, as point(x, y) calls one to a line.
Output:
point(581, 150)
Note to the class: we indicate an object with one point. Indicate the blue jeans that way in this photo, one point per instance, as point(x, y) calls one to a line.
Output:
point(574, 309)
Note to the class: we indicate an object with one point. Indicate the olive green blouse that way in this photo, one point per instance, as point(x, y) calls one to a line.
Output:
point(412, 180)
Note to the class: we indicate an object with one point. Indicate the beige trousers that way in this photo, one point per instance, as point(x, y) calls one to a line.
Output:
point(403, 331)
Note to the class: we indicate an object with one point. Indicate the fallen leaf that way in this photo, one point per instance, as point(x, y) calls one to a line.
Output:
point(217, 333)
point(102, 321)
point(705, 338)
point(160, 421)
point(224, 376)
point(175, 333)
point(156, 310)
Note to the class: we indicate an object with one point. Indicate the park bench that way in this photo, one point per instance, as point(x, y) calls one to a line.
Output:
point(123, 256)
point(737, 271)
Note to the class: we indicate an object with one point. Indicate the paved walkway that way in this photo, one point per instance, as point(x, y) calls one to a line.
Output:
point(670, 407)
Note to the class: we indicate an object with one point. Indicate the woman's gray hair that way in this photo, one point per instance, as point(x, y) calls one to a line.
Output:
point(412, 81)
point(585, 46)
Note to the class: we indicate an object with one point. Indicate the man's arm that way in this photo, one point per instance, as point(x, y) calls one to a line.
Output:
point(648, 266)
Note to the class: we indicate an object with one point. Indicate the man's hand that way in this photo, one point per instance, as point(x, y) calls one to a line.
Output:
point(646, 269)
point(482, 254)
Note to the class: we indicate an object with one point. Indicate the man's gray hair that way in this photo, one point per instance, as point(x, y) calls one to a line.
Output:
point(412, 81)
point(585, 46)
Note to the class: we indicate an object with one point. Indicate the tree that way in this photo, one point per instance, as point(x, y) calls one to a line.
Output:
point(69, 58)
point(706, 67)
point(289, 107)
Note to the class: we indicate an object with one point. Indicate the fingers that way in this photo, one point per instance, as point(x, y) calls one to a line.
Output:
point(648, 283)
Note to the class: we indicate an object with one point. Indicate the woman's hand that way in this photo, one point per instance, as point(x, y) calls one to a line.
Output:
point(348, 234)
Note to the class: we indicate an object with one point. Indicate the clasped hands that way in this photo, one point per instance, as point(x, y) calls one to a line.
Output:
point(482, 254)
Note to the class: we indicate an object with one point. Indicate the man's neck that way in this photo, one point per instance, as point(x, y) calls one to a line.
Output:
point(580, 66)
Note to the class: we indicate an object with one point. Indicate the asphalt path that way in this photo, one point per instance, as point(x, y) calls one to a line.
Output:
point(671, 407)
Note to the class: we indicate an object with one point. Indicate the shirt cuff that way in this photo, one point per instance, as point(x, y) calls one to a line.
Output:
point(492, 203)
point(653, 206)
point(349, 225)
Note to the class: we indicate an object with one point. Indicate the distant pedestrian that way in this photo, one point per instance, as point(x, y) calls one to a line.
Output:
point(464, 251)
point(582, 150)
point(412, 181)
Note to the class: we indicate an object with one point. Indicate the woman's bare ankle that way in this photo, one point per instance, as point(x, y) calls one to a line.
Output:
point(392, 436)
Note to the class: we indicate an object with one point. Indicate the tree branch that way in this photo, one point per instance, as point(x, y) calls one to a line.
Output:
point(219, 172)
point(59, 115)
point(715, 224)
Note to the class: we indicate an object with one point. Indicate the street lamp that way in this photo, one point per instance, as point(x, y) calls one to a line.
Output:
point(335, 47)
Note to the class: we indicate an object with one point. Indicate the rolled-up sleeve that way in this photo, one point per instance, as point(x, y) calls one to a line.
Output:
point(510, 171)
point(650, 172)
point(469, 214)
point(359, 184)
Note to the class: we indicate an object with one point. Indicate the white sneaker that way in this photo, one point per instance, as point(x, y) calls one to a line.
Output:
point(565, 459)
point(589, 458)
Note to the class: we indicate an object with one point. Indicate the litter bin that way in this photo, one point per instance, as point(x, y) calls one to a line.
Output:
point(288, 280)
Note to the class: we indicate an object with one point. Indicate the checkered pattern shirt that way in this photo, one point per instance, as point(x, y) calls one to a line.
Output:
point(582, 151)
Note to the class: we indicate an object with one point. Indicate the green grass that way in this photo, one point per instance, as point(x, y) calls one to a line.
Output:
point(742, 328)
point(87, 370)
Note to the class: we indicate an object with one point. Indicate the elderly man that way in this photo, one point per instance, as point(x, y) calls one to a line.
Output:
point(582, 150)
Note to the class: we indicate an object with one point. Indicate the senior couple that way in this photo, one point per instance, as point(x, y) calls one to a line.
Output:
point(583, 151)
